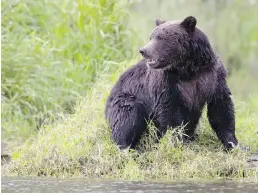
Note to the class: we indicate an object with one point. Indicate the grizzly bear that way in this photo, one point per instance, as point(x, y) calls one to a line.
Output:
point(178, 75)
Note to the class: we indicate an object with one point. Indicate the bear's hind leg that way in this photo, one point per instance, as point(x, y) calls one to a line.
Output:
point(127, 118)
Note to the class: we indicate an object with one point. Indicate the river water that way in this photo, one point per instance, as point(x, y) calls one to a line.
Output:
point(35, 185)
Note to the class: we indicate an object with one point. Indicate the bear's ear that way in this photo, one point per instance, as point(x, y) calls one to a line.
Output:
point(189, 24)
point(159, 22)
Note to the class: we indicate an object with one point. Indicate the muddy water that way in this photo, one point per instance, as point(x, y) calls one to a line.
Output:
point(85, 185)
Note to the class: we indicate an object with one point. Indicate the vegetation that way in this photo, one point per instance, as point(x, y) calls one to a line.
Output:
point(52, 51)
point(53, 54)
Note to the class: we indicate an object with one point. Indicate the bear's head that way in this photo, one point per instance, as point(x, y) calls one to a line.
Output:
point(178, 46)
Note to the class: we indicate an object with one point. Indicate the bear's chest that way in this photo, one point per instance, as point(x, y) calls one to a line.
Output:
point(165, 91)
point(196, 92)
point(159, 87)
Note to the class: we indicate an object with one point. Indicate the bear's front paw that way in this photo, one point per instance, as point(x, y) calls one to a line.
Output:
point(238, 146)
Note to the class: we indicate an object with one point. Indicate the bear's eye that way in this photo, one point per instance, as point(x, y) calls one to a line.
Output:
point(159, 37)
point(179, 41)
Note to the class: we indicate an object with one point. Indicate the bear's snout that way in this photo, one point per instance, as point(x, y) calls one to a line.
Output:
point(143, 52)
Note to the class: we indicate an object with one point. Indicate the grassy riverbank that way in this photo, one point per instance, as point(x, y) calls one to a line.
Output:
point(79, 145)
point(59, 61)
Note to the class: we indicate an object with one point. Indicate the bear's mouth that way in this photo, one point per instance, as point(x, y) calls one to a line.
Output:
point(151, 62)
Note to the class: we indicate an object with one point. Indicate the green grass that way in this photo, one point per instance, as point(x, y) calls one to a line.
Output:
point(51, 52)
point(59, 53)
point(79, 145)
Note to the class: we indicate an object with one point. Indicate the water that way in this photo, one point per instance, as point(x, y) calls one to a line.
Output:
point(85, 185)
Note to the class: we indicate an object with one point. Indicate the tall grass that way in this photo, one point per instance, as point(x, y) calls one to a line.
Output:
point(51, 52)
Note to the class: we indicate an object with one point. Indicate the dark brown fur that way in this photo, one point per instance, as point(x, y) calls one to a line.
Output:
point(179, 74)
